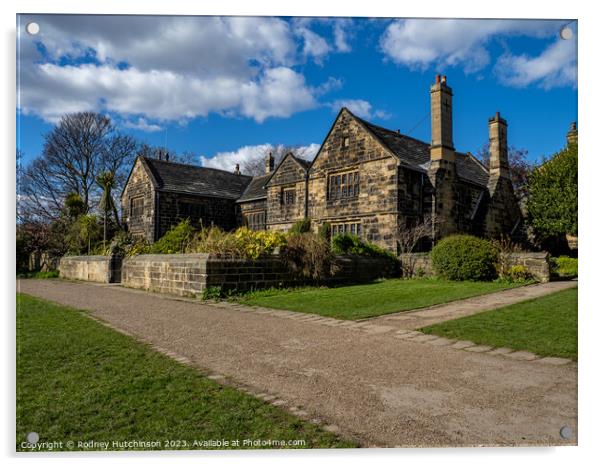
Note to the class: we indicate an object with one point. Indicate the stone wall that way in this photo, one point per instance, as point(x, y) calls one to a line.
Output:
point(537, 263)
point(103, 269)
point(191, 274)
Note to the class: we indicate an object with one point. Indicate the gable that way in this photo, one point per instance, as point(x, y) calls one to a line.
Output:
point(139, 175)
point(348, 143)
point(290, 170)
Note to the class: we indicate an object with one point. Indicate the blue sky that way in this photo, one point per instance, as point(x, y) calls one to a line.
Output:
point(227, 88)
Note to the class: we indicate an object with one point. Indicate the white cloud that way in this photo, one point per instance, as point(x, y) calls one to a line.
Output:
point(361, 108)
point(160, 95)
point(419, 43)
point(168, 68)
point(340, 29)
point(142, 125)
point(249, 154)
point(314, 45)
point(555, 66)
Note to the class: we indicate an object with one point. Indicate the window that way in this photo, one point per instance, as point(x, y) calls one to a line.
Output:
point(136, 207)
point(256, 220)
point(344, 185)
point(192, 211)
point(345, 142)
point(288, 196)
point(353, 228)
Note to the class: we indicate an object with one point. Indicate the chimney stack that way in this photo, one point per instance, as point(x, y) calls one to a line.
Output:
point(571, 136)
point(237, 170)
point(442, 144)
point(498, 147)
point(269, 164)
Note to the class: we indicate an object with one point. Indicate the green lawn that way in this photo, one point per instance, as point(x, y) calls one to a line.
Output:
point(546, 326)
point(361, 301)
point(78, 380)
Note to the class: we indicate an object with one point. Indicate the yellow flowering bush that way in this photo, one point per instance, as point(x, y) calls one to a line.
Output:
point(241, 243)
point(254, 244)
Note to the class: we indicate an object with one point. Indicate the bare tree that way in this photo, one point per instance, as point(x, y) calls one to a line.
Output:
point(79, 148)
point(409, 239)
point(162, 153)
point(520, 167)
point(256, 167)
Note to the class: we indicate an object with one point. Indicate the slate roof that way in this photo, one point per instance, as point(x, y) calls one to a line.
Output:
point(200, 181)
point(470, 169)
point(416, 154)
point(304, 163)
point(255, 190)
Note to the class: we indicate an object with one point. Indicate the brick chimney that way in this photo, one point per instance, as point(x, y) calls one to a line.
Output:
point(237, 170)
point(442, 144)
point(498, 147)
point(269, 164)
point(571, 136)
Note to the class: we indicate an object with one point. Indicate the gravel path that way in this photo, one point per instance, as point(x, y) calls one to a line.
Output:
point(378, 389)
point(433, 315)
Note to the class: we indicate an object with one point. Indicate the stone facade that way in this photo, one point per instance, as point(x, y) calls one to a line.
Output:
point(365, 180)
point(349, 149)
point(286, 194)
point(201, 210)
point(140, 219)
point(191, 274)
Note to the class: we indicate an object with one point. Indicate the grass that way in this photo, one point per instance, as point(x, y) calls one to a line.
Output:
point(362, 301)
point(546, 326)
point(78, 380)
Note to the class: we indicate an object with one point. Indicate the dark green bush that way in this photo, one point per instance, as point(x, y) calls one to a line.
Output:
point(176, 240)
point(301, 226)
point(348, 244)
point(464, 257)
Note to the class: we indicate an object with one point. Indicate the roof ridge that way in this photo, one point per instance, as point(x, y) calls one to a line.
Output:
point(201, 167)
point(393, 132)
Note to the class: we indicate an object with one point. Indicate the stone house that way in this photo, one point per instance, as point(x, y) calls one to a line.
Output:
point(365, 180)
point(159, 194)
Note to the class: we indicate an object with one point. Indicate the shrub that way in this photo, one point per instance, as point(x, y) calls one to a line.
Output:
point(464, 257)
point(505, 248)
point(324, 231)
point(519, 273)
point(214, 293)
point(309, 256)
point(347, 244)
point(301, 226)
point(214, 240)
point(564, 266)
point(176, 240)
point(242, 243)
point(139, 246)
